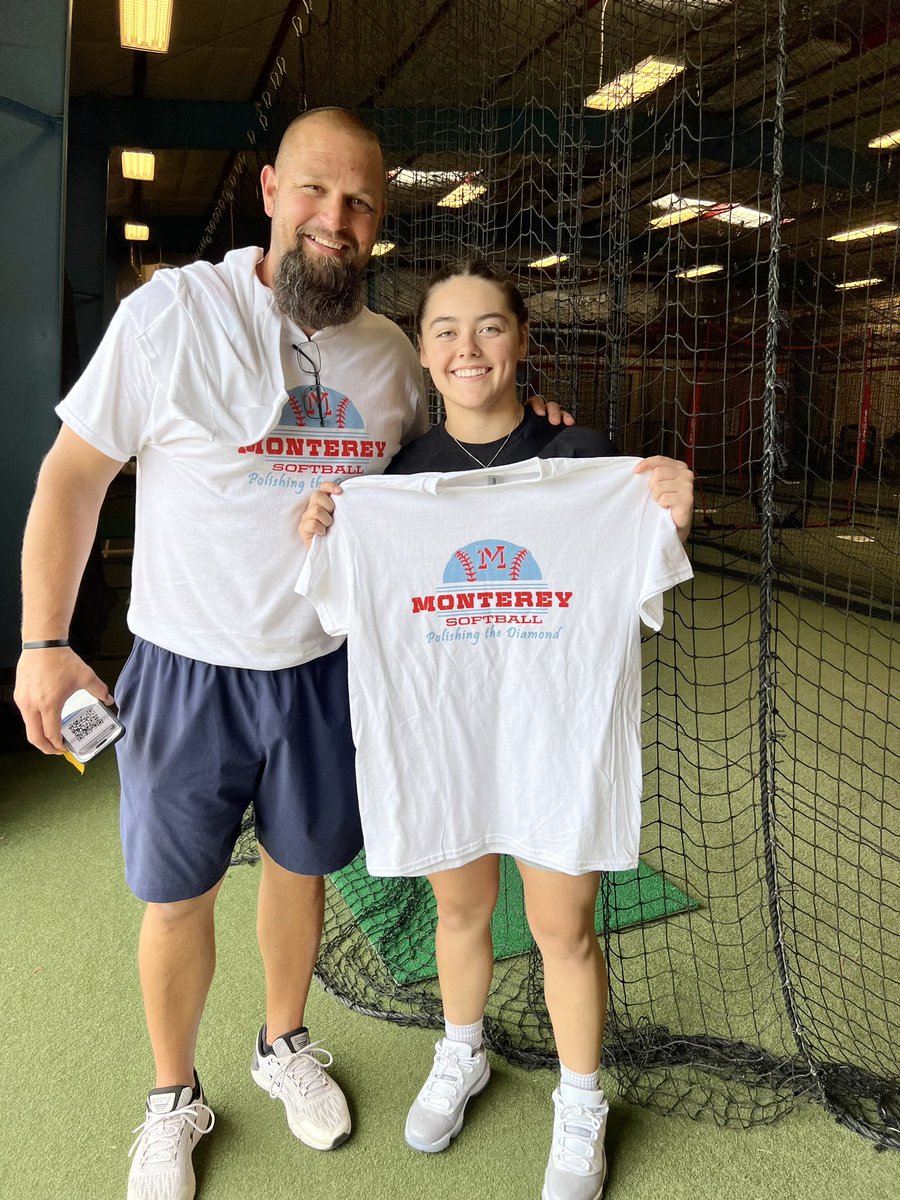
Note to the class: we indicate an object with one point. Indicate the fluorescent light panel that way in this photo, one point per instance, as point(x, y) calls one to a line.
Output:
point(135, 232)
point(382, 248)
point(698, 272)
point(680, 209)
point(865, 231)
point(405, 177)
point(647, 77)
point(550, 261)
point(850, 284)
point(886, 141)
point(138, 164)
point(145, 25)
point(747, 218)
point(464, 194)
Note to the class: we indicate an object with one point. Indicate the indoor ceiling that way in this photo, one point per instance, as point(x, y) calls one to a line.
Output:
point(479, 55)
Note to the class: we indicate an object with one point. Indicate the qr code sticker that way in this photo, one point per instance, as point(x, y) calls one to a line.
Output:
point(84, 723)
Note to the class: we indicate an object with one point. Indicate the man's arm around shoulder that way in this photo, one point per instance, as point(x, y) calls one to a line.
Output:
point(59, 534)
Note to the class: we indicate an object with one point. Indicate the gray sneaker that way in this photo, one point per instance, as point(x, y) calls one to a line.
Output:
point(296, 1074)
point(437, 1113)
point(577, 1166)
point(176, 1120)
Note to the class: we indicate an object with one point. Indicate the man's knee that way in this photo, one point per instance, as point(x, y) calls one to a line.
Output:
point(180, 913)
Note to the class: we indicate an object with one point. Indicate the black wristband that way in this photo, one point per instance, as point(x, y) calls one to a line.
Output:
point(47, 645)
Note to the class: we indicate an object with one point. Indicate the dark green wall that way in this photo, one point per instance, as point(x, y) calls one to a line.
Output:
point(34, 58)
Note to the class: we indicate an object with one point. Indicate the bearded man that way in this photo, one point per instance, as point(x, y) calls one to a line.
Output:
point(238, 387)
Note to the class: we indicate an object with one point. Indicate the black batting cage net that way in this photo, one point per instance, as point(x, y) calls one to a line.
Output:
point(699, 200)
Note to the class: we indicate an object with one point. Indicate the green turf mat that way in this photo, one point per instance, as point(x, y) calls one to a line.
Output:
point(398, 915)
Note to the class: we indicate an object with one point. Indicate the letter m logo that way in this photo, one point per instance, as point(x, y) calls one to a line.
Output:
point(491, 556)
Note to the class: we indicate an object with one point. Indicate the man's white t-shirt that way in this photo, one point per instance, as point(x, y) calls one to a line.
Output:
point(493, 621)
point(197, 377)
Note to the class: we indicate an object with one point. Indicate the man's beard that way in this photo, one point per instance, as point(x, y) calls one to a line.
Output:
point(317, 291)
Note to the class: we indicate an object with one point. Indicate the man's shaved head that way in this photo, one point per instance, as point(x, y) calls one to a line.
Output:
point(339, 118)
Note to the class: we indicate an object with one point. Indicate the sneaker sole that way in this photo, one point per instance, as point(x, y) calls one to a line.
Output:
point(444, 1142)
point(301, 1134)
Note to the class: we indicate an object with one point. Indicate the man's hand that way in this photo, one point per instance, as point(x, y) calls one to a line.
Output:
point(319, 513)
point(45, 679)
point(549, 409)
point(672, 487)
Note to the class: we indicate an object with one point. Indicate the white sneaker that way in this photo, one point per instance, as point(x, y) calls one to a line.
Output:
point(437, 1113)
point(295, 1073)
point(161, 1167)
point(577, 1166)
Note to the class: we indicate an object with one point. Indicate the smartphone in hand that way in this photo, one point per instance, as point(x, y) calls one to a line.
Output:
point(88, 726)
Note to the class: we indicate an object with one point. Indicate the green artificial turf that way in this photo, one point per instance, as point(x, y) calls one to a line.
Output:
point(77, 1063)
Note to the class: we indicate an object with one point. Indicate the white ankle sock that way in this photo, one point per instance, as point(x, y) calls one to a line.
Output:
point(469, 1035)
point(586, 1083)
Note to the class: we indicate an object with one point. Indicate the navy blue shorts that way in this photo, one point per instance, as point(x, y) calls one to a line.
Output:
point(202, 742)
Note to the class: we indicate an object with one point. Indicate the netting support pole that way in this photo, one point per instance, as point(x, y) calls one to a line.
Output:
point(767, 659)
point(620, 203)
point(865, 408)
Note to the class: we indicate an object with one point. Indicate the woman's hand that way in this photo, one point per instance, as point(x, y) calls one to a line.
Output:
point(319, 513)
point(672, 487)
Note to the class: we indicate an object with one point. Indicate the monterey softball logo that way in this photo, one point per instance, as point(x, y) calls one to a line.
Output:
point(480, 561)
point(320, 407)
point(492, 582)
point(320, 434)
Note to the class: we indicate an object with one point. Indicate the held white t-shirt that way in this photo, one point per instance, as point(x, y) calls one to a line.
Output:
point(493, 621)
point(197, 378)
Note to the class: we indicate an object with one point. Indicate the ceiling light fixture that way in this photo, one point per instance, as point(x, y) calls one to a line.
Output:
point(680, 209)
point(886, 141)
point(136, 232)
point(647, 77)
point(145, 25)
point(138, 164)
point(550, 261)
point(382, 248)
point(850, 284)
point(464, 194)
point(865, 231)
point(699, 272)
point(406, 177)
point(746, 218)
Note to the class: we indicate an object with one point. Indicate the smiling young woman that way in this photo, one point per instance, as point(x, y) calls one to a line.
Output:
point(473, 331)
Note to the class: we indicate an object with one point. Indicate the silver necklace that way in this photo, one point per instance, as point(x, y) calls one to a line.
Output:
point(498, 451)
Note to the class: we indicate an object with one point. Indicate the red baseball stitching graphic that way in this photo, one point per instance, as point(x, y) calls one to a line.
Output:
point(467, 565)
point(297, 409)
point(516, 565)
point(342, 413)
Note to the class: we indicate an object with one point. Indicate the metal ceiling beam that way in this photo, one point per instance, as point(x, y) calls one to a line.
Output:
point(701, 134)
point(221, 125)
point(161, 124)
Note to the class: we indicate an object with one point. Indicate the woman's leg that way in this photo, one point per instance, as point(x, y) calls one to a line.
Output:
point(465, 897)
point(560, 910)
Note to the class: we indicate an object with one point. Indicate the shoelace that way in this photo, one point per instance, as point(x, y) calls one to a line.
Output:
point(447, 1078)
point(160, 1133)
point(304, 1068)
point(576, 1136)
